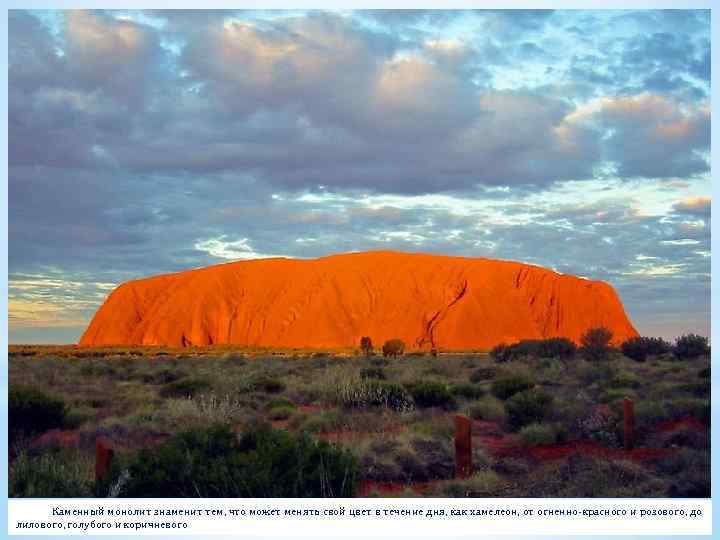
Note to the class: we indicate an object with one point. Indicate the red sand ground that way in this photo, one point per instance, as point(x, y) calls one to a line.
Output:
point(63, 438)
point(683, 423)
point(490, 436)
point(452, 303)
point(587, 448)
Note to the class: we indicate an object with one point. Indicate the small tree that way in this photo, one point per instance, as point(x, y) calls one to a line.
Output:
point(366, 345)
point(501, 352)
point(596, 343)
point(635, 348)
point(557, 347)
point(639, 348)
point(393, 347)
point(691, 346)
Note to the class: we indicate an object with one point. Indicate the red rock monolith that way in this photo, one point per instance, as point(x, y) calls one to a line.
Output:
point(427, 301)
point(629, 423)
point(463, 446)
point(103, 458)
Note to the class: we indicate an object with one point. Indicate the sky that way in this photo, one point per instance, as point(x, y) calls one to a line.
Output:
point(146, 142)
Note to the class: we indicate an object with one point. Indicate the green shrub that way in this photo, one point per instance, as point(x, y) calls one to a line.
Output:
point(55, 473)
point(374, 393)
point(679, 407)
point(481, 459)
point(698, 389)
point(639, 348)
point(556, 347)
point(596, 343)
point(513, 466)
point(438, 369)
point(212, 462)
point(648, 413)
point(322, 422)
point(421, 460)
point(379, 361)
point(437, 457)
point(366, 345)
point(96, 369)
point(526, 348)
point(280, 413)
point(536, 434)
point(604, 426)
point(512, 384)
point(624, 379)
point(527, 407)
point(164, 376)
point(483, 374)
point(467, 390)
point(372, 373)
point(393, 347)
point(582, 476)
point(487, 408)
point(501, 353)
point(33, 411)
point(278, 402)
point(411, 468)
point(480, 484)
point(186, 388)
point(306, 395)
point(691, 346)
point(517, 351)
point(384, 446)
point(611, 395)
point(431, 394)
point(268, 384)
point(76, 416)
point(591, 373)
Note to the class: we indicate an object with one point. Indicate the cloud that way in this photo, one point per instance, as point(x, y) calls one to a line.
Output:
point(52, 300)
point(694, 206)
point(223, 248)
point(76, 96)
point(115, 56)
point(149, 142)
point(649, 135)
point(320, 99)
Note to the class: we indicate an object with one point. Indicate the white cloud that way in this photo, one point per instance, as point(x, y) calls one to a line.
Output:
point(222, 248)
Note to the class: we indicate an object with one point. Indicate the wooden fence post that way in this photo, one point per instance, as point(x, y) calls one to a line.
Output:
point(103, 458)
point(463, 446)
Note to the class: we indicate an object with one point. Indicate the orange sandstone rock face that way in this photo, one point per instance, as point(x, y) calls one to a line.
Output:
point(451, 303)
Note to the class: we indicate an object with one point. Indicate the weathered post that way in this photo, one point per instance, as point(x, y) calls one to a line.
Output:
point(463, 446)
point(103, 458)
point(629, 423)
